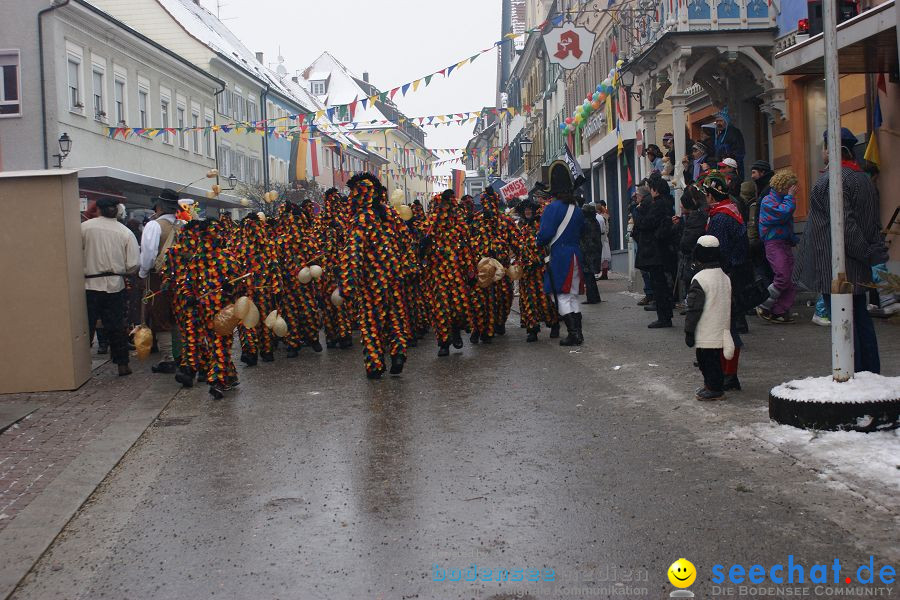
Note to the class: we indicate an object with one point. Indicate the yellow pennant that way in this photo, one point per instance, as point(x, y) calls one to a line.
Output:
point(416, 84)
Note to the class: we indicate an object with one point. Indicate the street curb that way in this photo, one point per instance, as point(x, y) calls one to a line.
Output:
point(33, 530)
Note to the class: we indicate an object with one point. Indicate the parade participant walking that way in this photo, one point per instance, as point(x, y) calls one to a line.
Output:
point(560, 233)
point(727, 225)
point(592, 251)
point(492, 235)
point(182, 275)
point(256, 249)
point(156, 239)
point(449, 270)
point(776, 229)
point(370, 277)
point(864, 247)
point(332, 225)
point(708, 321)
point(297, 247)
point(535, 305)
point(110, 254)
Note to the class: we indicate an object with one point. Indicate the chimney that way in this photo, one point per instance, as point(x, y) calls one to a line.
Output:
point(366, 76)
point(259, 55)
point(295, 79)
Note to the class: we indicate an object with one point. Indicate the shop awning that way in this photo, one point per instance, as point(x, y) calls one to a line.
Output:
point(140, 188)
point(867, 43)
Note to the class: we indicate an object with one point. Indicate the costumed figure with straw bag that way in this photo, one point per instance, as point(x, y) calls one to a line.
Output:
point(560, 232)
point(331, 231)
point(492, 235)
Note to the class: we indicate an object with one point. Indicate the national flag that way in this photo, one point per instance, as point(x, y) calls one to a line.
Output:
point(872, 154)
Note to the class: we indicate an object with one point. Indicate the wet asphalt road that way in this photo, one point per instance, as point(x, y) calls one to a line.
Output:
point(312, 482)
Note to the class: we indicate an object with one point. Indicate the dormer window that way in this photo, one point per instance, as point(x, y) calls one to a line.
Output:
point(318, 87)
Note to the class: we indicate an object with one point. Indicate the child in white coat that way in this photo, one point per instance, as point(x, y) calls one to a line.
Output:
point(707, 325)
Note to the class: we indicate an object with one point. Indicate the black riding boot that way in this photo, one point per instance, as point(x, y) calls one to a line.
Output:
point(572, 338)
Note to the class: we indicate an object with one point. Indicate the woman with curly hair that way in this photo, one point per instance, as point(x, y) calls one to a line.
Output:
point(776, 230)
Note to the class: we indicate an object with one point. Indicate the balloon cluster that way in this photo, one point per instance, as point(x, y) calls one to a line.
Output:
point(594, 101)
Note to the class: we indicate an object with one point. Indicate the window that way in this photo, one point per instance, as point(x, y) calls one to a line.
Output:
point(181, 123)
point(208, 136)
point(98, 78)
point(237, 104)
point(119, 87)
point(74, 75)
point(10, 105)
point(143, 102)
point(252, 113)
point(195, 135)
point(225, 168)
point(318, 87)
point(164, 117)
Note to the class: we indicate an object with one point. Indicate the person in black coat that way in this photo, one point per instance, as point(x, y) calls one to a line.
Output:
point(689, 227)
point(653, 222)
point(591, 252)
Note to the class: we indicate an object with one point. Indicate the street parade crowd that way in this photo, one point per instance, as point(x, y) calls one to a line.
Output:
point(361, 263)
point(394, 272)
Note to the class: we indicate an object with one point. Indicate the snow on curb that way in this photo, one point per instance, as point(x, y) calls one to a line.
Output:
point(864, 387)
point(874, 457)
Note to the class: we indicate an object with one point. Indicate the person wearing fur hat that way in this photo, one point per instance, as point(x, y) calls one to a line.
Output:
point(371, 279)
point(158, 236)
point(449, 270)
point(727, 225)
point(492, 235)
point(560, 232)
point(535, 305)
point(707, 326)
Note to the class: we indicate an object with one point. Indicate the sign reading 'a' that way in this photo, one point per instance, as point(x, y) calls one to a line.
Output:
point(569, 46)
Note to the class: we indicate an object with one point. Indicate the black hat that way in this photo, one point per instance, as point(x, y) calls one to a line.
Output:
point(761, 166)
point(106, 203)
point(561, 181)
point(707, 250)
point(167, 199)
point(848, 138)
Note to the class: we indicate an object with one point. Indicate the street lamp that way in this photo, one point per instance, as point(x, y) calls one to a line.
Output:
point(626, 78)
point(232, 181)
point(525, 144)
point(65, 146)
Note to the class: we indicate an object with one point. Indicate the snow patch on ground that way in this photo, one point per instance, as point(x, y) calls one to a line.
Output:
point(874, 457)
point(864, 387)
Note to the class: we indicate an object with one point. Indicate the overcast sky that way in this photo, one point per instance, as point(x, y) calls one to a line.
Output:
point(396, 41)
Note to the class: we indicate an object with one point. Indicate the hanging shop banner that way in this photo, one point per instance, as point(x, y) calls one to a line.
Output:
point(569, 46)
point(514, 189)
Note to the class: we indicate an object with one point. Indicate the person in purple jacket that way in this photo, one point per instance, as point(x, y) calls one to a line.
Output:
point(776, 230)
point(560, 230)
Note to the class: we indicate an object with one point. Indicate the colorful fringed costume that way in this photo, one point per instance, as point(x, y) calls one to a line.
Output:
point(492, 235)
point(183, 274)
point(535, 306)
point(331, 231)
point(449, 269)
point(370, 277)
point(297, 248)
point(256, 249)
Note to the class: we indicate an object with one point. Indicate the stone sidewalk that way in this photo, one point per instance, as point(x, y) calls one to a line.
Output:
point(55, 457)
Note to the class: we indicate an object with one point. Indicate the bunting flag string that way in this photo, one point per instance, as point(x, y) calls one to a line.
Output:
point(350, 107)
point(278, 132)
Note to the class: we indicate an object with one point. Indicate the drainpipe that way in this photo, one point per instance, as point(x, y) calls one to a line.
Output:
point(263, 96)
point(40, 26)
point(215, 133)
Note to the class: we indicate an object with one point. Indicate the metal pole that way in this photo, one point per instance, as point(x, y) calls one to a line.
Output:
point(841, 296)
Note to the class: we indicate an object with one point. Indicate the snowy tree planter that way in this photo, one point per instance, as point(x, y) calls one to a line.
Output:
point(866, 403)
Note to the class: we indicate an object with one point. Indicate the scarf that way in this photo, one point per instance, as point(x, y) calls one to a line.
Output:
point(726, 207)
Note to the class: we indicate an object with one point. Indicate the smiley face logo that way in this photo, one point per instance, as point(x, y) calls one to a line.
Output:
point(682, 573)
